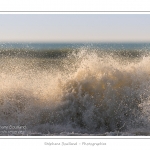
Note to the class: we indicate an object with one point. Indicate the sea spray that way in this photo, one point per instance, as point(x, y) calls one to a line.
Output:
point(83, 92)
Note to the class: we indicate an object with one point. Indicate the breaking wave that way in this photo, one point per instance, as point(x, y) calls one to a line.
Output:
point(83, 92)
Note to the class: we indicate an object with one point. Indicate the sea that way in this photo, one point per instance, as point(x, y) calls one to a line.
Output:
point(75, 89)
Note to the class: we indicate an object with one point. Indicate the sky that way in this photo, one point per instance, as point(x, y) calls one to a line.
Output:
point(74, 28)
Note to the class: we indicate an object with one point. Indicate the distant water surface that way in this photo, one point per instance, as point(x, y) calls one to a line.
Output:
point(48, 46)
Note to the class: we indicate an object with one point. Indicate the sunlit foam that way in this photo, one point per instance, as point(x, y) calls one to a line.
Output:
point(85, 92)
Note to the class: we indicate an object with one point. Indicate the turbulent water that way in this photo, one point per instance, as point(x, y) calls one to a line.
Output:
point(77, 92)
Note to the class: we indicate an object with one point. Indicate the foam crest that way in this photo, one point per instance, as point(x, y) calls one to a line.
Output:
point(86, 92)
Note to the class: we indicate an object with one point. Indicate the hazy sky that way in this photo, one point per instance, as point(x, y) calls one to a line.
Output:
point(74, 28)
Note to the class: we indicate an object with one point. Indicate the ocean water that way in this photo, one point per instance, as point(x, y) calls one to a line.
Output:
point(75, 89)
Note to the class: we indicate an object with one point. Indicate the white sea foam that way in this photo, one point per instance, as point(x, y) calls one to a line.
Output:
point(84, 93)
